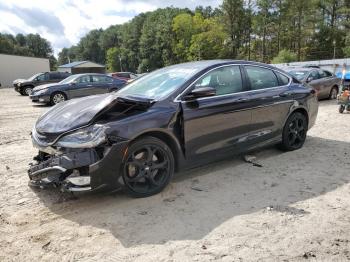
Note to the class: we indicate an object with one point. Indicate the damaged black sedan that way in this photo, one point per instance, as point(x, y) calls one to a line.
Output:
point(179, 116)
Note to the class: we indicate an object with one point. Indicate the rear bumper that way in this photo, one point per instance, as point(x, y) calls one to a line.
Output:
point(82, 170)
point(313, 111)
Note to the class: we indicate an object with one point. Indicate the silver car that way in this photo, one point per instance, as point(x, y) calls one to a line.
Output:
point(324, 82)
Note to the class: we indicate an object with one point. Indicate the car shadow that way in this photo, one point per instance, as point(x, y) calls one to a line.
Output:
point(41, 105)
point(202, 199)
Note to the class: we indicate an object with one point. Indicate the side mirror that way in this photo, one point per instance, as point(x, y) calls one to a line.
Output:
point(200, 92)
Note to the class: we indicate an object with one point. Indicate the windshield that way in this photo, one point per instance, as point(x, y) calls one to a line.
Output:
point(160, 83)
point(69, 79)
point(34, 76)
point(299, 74)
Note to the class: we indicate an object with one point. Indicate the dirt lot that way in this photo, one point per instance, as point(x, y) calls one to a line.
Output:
point(295, 207)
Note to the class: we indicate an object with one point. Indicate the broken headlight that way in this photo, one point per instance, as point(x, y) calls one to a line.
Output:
point(88, 137)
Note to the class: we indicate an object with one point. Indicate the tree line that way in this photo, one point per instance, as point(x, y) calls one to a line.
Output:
point(27, 45)
point(261, 30)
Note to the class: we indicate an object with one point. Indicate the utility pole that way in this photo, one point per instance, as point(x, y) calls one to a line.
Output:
point(120, 62)
point(334, 42)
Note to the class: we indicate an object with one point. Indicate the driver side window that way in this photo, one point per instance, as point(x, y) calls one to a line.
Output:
point(225, 80)
point(43, 77)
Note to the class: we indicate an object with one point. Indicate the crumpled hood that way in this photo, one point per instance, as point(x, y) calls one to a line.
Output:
point(37, 88)
point(72, 114)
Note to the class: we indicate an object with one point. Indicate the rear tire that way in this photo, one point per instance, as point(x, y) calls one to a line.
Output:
point(294, 132)
point(148, 167)
point(334, 93)
point(57, 97)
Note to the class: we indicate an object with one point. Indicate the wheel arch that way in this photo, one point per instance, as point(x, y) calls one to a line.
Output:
point(301, 110)
point(28, 85)
point(168, 139)
point(58, 91)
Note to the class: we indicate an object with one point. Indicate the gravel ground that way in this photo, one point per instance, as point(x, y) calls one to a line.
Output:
point(295, 207)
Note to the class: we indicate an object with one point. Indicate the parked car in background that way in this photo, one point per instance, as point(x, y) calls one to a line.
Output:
point(75, 86)
point(324, 82)
point(127, 76)
point(175, 117)
point(25, 86)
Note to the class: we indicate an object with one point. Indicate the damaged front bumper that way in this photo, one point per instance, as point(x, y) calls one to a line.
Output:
point(80, 169)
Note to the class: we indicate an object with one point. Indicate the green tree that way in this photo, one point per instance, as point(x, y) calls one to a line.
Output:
point(53, 63)
point(113, 59)
point(284, 56)
point(89, 47)
point(233, 17)
point(40, 47)
point(184, 29)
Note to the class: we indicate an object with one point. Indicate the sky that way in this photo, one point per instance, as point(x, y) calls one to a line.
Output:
point(64, 22)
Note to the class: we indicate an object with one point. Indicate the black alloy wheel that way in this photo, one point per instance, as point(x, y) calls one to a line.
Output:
point(294, 132)
point(148, 167)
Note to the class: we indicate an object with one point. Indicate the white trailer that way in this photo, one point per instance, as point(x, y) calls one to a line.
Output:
point(13, 67)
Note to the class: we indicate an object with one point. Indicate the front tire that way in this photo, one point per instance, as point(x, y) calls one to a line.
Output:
point(27, 90)
point(148, 167)
point(57, 97)
point(341, 109)
point(294, 132)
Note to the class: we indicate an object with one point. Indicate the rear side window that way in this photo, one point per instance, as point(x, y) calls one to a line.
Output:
point(125, 75)
point(282, 79)
point(64, 75)
point(261, 78)
point(101, 79)
point(322, 74)
point(328, 74)
point(53, 76)
point(107, 79)
point(84, 79)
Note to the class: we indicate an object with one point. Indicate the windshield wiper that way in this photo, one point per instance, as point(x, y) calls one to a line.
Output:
point(136, 100)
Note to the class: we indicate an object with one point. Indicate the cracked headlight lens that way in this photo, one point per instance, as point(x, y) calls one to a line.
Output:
point(87, 137)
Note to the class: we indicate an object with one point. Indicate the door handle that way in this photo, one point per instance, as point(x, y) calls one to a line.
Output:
point(240, 100)
point(286, 94)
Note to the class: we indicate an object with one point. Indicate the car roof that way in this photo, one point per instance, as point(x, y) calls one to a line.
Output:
point(90, 74)
point(217, 62)
point(306, 69)
point(122, 73)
